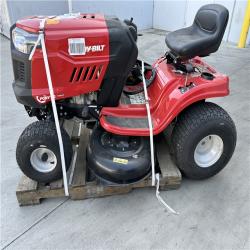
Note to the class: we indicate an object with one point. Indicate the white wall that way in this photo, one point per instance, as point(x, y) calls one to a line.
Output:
point(171, 15)
point(237, 20)
point(161, 14)
point(140, 10)
point(4, 18)
point(18, 9)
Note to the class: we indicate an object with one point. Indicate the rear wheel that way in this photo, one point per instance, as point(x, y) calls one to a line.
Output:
point(203, 140)
point(38, 154)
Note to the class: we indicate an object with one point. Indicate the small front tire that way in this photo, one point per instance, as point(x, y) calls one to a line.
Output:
point(203, 140)
point(38, 153)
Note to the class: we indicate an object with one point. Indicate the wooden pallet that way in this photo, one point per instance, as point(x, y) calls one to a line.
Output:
point(30, 192)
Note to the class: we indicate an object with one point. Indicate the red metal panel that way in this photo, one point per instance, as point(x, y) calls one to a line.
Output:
point(166, 99)
point(58, 30)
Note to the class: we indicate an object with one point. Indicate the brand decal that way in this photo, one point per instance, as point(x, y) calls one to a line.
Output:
point(95, 48)
point(45, 98)
point(77, 47)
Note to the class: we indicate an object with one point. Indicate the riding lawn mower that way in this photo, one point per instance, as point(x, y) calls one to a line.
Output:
point(95, 76)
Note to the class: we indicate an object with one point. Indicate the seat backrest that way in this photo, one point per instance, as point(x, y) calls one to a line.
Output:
point(212, 19)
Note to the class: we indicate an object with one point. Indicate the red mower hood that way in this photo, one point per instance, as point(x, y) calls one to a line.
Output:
point(62, 22)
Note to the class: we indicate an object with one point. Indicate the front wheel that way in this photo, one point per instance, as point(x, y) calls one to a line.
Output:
point(203, 140)
point(38, 153)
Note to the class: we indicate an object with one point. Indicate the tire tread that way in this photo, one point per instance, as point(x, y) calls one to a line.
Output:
point(40, 129)
point(190, 120)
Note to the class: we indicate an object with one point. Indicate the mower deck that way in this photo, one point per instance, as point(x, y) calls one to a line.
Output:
point(82, 185)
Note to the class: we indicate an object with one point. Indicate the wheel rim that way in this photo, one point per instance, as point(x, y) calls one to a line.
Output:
point(43, 160)
point(208, 151)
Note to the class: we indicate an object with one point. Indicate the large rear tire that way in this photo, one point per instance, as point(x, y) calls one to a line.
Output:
point(38, 154)
point(203, 140)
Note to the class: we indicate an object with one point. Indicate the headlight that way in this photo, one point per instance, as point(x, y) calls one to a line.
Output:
point(23, 40)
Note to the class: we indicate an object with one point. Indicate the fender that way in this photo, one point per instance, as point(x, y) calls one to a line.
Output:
point(168, 98)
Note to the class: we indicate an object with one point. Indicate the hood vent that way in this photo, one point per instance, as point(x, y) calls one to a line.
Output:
point(86, 73)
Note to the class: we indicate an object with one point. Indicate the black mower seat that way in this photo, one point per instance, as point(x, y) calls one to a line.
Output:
point(203, 37)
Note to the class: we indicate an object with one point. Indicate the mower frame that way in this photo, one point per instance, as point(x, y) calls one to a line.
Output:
point(169, 94)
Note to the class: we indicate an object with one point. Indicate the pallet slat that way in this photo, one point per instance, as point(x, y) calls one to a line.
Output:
point(56, 184)
point(170, 174)
point(26, 192)
point(79, 175)
point(26, 184)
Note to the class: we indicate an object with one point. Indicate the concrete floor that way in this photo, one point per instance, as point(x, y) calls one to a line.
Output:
point(214, 213)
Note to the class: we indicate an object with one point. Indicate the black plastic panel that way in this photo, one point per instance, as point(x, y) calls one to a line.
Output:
point(22, 76)
point(128, 122)
point(123, 55)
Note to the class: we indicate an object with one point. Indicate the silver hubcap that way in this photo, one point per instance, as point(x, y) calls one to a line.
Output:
point(43, 160)
point(208, 151)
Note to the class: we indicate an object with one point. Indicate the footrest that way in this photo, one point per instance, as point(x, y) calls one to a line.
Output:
point(129, 118)
point(135, 123)
point(125, 125)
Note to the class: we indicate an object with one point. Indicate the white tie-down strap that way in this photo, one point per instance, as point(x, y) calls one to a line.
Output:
point(52, 98)
point(157, 193)
point(151, 135)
